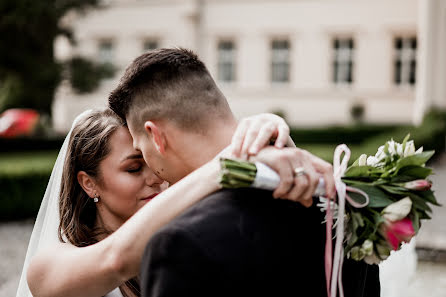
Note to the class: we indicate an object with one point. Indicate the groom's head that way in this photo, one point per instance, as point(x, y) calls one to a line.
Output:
point(170, 102)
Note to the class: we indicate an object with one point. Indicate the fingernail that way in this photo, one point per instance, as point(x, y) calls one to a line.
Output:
point(279, 144)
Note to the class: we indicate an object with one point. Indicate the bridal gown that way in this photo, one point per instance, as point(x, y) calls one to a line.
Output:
point(115, 293)
point(398, 271)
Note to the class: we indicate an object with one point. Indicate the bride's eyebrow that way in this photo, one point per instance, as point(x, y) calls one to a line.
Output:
point(131, 157)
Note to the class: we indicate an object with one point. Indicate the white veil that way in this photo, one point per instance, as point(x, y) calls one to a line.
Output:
point(45, 230)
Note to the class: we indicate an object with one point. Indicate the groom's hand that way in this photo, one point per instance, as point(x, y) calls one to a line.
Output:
point(299, 186)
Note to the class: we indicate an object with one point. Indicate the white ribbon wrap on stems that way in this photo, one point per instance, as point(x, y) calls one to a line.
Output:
point(333, 264)
point(267, 179)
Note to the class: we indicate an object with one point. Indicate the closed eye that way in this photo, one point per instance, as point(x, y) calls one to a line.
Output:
point(134, 170)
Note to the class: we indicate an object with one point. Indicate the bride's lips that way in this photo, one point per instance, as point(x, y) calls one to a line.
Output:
point(148, 198)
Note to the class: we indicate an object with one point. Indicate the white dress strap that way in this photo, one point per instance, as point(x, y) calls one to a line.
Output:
point(115, 293)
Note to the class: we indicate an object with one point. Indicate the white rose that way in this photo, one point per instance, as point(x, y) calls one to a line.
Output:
point(419, 151)
point(372, 259)
point(380, 150)
point(357, 254)
point(398, 210)
point(391, 147)
point(399, 149)
point(367, 247)
point(395, 148)
point(380, 154)
point(383, 251)
point(372, 161)
point(362, 160)
point(409, 149)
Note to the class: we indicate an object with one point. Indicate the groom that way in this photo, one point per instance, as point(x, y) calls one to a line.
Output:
point(234, 242)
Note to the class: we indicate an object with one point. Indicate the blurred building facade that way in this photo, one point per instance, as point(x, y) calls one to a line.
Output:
point(315, 62)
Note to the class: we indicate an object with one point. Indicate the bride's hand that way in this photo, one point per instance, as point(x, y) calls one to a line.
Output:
point(255, 132)
point(297, 187)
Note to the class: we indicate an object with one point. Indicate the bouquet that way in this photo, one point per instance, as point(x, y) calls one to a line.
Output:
point(380, 203)
point(396, 182)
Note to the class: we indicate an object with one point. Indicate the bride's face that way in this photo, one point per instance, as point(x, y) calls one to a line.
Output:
point(126, 182)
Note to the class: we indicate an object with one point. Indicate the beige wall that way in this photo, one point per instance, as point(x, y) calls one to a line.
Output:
point(310, 98)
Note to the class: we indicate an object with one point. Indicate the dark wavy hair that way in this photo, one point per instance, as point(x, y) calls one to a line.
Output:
point(88, 146)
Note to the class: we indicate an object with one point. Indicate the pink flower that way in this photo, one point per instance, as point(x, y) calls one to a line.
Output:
point(399, 231)
point(419, 185)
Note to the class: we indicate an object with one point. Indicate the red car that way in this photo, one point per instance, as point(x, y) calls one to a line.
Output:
point(18, 122)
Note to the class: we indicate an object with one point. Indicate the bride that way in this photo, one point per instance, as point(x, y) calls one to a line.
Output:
point(95, 219)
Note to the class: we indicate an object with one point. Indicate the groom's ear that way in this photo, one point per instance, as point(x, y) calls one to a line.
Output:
point(156, 134)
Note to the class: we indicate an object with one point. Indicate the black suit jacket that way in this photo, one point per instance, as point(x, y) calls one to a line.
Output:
point(244, 243)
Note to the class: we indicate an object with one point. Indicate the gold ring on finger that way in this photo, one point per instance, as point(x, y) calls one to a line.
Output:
point(299, 171)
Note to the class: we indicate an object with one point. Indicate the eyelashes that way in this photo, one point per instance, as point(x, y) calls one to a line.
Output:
point(134, 170)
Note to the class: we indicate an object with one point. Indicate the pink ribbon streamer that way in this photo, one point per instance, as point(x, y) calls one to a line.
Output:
point(333, 263)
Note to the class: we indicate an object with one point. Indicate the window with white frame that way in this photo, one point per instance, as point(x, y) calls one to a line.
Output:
point(226, 61)
point(150, 44)
point(280, 61)
point(343, 49)
point(106, 52)
point(405, 60)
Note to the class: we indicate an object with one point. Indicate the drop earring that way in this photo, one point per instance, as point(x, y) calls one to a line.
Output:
point(96, 198)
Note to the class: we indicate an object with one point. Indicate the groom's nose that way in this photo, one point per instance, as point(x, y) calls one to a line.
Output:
point(152, 179)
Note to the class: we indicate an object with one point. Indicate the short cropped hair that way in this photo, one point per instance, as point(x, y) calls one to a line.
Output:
point(172, 84)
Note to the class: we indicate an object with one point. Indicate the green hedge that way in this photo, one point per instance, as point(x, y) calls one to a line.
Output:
point(328, 135)
point(21, 194)
point(430, 134)
point(30, 144)
point(23, 180)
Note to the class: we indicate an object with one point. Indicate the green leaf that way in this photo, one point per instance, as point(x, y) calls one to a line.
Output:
point(412, 172)
point(378, 198)
point(358, 198)
point(418, 202)
point(394, 189)
point(428, 196)
point(405, 141)
point(386, 148)
point(353, 182)
point(378, 219)
point(356, 217)
point(356, 163)
point(424, 216)
point(415, 221)
point(362, 171)
point(414, 160)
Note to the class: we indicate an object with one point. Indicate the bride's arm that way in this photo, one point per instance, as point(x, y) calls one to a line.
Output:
point(94, 270)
